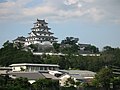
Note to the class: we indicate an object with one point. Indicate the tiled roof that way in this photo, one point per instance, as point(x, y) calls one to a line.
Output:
point(49, 76)
point(80, 73)
point(29, 75)
point(49, 37)
point(41, 21)
point(42, 32)
point(84, 45)
point(41, 27)
point(32, 75)
point(20, 38)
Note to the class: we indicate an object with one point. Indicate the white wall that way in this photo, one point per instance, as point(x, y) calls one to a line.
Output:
point(63, 79)
point(18, 68)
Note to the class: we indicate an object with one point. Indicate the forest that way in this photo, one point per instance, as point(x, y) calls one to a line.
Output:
point(110, 57)
point(104, 65)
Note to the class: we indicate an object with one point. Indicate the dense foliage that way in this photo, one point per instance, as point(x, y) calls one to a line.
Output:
point(107, 79)
point(23, 84)
point(9, 54)
point(46, 84)
point(110, 57)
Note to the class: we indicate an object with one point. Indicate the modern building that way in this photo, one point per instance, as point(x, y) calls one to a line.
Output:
point(40, 34)
point(28, 67)
point(33, 76)
point(76, 75)
point(5, 70)
point(48, 71)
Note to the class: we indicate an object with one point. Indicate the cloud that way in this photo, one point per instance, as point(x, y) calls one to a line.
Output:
point(88, 1)
point(96, 14)
point(96, 10)
point(1, 1)
point(117, 21)
point(70, 2)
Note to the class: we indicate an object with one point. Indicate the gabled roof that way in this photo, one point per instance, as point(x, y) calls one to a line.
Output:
point(41, 21)
point(84, 45)
point(20, 38)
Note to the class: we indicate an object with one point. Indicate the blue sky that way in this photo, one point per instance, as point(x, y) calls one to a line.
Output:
point(95, 22)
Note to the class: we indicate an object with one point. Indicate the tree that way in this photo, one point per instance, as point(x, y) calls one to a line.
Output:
point(22, 83)
point(7, 44)
point(46, 84)
point(116, 83)
point(103, 78)
point(56, 47)
point(108, 48)
point(92, 49)
point(70, 40)
point(2, 81)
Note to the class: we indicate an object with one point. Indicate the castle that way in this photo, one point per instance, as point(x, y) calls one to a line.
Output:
point(42, 38)
point(40, 34)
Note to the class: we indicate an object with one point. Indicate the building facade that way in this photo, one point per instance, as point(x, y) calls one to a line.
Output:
point(27, 67)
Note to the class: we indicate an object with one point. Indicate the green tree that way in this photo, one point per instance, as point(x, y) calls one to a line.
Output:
point(70, 40)
point(107, 48)
point(56, 47)
point(104, 77)
point(46, 84)
point(22, 83)
point(2, 81)
point(8, 44)
point(116, 82)
point(92, 49)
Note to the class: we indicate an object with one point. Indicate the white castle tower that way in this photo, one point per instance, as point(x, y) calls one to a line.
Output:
point(40, 34)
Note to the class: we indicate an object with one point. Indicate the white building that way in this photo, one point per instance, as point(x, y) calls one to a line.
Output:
point(40, 34)
point(5, 70)
point(33, 67)
point(76, 75)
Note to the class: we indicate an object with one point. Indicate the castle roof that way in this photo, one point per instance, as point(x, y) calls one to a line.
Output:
point(46, 37)
point(41, 32)
point(41, 22)
point(41, 27)
point(20, 38)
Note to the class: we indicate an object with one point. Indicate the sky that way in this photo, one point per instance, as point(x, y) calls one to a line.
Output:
point(95, 22)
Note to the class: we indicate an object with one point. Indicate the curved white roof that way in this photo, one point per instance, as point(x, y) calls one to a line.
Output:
point(30, 64)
